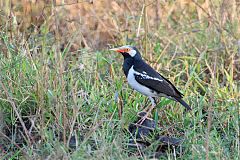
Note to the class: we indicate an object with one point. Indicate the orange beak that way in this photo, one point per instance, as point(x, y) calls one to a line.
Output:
point(120, 49)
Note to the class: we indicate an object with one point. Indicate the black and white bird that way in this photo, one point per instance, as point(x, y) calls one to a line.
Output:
point(144, 79)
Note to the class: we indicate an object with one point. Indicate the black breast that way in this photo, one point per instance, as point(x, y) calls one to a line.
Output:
point(127, 64)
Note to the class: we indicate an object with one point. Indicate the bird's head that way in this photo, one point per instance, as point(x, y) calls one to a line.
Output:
point(127, 51)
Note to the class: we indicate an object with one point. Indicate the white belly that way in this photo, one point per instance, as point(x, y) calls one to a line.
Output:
point(138, 87)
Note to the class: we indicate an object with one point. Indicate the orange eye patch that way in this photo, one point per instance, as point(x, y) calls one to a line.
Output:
point(127, 50)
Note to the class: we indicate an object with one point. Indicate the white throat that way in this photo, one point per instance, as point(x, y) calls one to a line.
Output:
point(132, 53)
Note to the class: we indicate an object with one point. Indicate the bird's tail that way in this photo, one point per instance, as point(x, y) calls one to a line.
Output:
point(183, 103)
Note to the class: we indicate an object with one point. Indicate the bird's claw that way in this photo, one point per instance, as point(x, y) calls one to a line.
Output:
point(144, 116)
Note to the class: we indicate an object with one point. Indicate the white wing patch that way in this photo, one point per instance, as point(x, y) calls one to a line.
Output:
point(145, 76)
point(141, 88)
point(137, 86)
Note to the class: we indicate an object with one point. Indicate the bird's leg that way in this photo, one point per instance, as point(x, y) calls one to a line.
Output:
point(148, 110)
point(153, 103)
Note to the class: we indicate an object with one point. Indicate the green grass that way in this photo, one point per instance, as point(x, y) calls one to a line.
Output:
point(57, 95)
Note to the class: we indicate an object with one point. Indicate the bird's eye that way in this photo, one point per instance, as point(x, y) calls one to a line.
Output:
point(127, 49)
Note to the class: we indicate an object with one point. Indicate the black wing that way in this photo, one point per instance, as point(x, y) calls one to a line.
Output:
point(155, 81)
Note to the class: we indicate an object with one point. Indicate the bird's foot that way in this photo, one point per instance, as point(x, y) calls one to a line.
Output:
point(143, 116)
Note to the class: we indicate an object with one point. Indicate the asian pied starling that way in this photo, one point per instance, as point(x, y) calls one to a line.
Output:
point(145, 79)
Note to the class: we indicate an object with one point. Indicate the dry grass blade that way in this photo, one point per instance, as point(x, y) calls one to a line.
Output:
point(16, 112)
point(140, 21)
point(145, 29)
point(210, 106)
